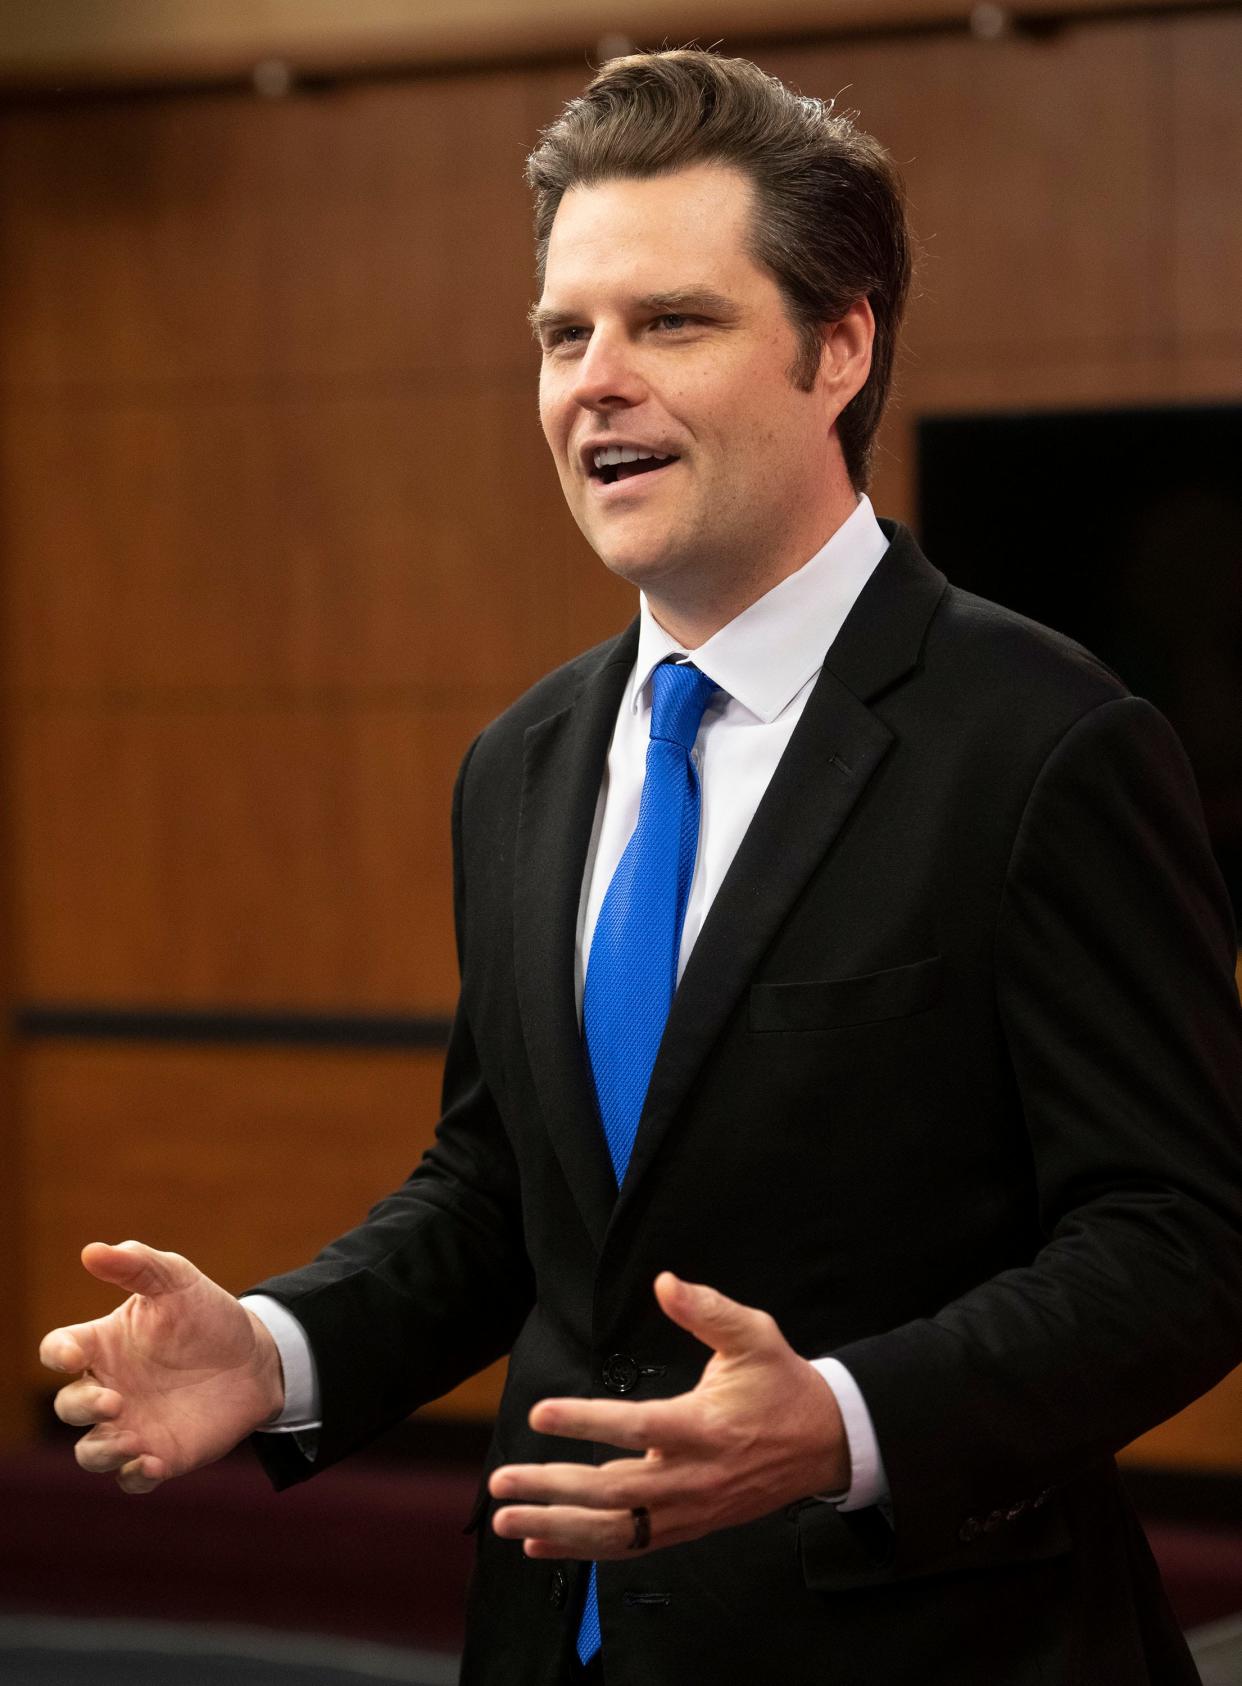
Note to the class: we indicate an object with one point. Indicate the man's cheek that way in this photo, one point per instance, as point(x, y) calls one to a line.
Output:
point(548, 412)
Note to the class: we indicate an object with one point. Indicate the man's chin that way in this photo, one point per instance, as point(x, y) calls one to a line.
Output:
point(641, 570)
point(642, 560)
point(644, 553)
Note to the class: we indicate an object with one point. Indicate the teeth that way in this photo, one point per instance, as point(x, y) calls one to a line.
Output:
point(616, 454)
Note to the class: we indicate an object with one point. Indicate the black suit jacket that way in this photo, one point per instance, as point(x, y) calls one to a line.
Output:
point(950, 1087)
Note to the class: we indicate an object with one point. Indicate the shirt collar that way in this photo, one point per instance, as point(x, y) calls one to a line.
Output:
point(764, 656)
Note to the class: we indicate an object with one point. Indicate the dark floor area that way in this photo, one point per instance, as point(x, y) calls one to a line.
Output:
point(375, 1549)
point(43, 1651)
point(360, 1576)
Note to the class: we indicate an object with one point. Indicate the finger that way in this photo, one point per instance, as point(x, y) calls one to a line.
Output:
point(619, 1485)
point(142, 1475)
point(83, 1403)
point(137, 1268)
point(566, 1530)
point(104, 1450)
point(613, 1422)
point(713, 1318)
point(72, 1348)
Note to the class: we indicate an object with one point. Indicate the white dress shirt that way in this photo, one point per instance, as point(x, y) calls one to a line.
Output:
point(765, 662)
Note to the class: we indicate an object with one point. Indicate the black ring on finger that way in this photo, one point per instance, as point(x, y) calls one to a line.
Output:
point(642, 1529)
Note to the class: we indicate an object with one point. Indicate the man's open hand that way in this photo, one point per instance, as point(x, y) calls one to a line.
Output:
point(760, 1430)
point(172, 1379)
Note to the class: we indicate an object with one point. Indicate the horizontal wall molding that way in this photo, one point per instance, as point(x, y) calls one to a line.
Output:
point(315, 701)
point(231, 1027)
point(288, 45)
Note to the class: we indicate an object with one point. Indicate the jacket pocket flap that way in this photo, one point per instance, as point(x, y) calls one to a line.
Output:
point(891, 994)
point(843, 1549)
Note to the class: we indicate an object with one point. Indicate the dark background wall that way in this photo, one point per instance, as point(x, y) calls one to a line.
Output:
point(278, 535)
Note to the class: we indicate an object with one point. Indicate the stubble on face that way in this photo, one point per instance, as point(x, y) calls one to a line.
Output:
point(757, 484)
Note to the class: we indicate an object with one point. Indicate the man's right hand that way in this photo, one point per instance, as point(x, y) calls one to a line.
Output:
point(170, 1380)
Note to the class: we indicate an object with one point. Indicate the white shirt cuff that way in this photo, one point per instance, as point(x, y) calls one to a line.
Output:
point(301, 1407)
point(868, 1482)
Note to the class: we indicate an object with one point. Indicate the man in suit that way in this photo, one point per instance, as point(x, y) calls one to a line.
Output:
point(847, 1001)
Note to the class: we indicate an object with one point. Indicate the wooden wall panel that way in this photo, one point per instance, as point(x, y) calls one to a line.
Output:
point(411, 542)
point(229, 239)
point(1210, 376)
point(1025, 162)
point(1201, 151)
point(15, 1404)
point(264, 857)
point(245, 1162)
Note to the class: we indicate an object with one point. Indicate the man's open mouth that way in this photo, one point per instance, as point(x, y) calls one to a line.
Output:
point(622, 462)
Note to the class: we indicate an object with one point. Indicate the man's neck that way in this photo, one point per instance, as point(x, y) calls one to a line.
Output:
point(690, 620)
point(690, 626)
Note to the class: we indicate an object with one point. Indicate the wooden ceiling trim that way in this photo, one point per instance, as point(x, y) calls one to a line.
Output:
point(78, 43)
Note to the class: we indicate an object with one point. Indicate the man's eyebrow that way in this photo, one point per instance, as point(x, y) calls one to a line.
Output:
point(694, 301)
point(541, 319)
point(689, 301)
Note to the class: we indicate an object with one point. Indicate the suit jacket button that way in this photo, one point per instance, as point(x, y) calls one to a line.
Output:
point(558, 1590)
point(620, 1373)
point(969, 1530)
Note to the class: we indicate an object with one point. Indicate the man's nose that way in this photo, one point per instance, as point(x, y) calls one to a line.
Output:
point(607, 374)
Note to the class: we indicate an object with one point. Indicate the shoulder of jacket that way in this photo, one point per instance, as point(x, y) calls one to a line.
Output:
point(993, 649)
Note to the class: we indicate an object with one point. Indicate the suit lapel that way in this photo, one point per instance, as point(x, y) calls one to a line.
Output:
point(563, 765)
point(835, 750)
point(837, 746)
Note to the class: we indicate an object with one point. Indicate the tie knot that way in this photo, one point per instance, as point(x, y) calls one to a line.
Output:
point(679, 694)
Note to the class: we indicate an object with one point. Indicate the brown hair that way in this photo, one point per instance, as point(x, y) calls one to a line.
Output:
point(830, 221)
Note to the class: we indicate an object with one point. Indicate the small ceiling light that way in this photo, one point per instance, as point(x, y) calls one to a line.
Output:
point(989, 22)
point(272, 78)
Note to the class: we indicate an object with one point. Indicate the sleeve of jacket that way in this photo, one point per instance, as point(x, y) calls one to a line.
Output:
point(433, 1284)
point(1114, 968)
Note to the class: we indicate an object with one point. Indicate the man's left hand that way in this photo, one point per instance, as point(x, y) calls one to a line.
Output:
point(761, 1429)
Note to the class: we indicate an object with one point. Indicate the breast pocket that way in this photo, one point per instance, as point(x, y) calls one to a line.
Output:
point(830, 1003)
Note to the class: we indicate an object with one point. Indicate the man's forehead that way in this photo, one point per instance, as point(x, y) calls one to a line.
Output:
point(683, 232)
point(673, 210)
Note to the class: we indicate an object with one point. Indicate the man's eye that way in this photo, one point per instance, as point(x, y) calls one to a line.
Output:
point(563, 336)
point(672, 320)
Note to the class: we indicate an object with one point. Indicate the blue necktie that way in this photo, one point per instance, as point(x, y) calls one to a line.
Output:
point(632, 971)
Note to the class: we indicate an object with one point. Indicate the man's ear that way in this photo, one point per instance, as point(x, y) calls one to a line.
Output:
point(845, 361)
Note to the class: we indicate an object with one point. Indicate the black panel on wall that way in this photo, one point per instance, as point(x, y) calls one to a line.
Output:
point(1123, 529)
